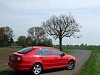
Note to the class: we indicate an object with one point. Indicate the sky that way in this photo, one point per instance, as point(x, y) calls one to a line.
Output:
point(20, 15)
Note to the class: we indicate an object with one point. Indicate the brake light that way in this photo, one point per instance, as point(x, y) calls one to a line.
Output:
point(15, 58)
point(19, 58)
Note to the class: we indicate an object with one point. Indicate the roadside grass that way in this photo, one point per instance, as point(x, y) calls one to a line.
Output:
point(92, 66)
point(97, 64)
point(67, 51)
point(5, 69)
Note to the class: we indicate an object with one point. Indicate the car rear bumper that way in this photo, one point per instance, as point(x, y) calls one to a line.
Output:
point(19, 67)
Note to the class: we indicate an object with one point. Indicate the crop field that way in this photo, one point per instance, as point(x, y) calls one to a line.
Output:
point(4, 56)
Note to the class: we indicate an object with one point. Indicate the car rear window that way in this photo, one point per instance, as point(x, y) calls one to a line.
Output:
point(25, 50)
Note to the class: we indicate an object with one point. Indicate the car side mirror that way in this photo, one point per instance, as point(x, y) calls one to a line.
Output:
point(62, 54)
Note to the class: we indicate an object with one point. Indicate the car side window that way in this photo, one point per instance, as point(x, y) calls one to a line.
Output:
point(43, 52)
point(56, 52)
point(39, 52)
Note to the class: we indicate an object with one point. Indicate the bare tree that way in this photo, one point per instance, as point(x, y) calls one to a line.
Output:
point(62, 26)
point(37, 34)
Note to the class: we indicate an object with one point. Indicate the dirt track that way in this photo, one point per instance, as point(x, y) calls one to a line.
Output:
point(81, 56)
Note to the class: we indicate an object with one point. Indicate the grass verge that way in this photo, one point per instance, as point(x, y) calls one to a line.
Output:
point(5, 69)
point(68, 51)
point(92, 66)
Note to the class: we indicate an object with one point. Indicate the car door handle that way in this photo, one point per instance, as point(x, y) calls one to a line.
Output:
point(40, 57)
point(55, 57)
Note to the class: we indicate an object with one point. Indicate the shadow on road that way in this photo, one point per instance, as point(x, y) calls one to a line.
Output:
point(13, 72)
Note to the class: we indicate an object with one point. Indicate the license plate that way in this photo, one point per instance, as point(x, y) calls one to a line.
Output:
point(12, 58)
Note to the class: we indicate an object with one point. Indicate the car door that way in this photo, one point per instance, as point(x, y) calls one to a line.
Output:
point(46, 58)
point(59, 60)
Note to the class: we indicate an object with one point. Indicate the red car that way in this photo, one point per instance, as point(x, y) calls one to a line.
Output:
point(39, 58)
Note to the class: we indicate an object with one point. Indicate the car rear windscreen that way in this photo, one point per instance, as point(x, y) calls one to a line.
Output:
point(25, 50)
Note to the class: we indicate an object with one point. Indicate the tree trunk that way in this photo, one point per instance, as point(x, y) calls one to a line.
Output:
point(60, 44)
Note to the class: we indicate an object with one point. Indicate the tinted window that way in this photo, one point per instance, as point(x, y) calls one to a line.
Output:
point(56, 52)
point(39, 52)
point(43, 52)
point(46, 52)
point(25, 50)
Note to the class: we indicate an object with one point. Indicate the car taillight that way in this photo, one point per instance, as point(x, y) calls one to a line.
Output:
point(15, 58)
point(19, 58)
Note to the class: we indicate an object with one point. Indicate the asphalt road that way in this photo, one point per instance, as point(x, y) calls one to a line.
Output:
point(81, 56)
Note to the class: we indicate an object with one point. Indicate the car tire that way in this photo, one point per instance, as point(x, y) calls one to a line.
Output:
point(70, 65)
point(36, 69)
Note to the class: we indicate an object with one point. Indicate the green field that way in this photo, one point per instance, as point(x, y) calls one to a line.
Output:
point(80, 47)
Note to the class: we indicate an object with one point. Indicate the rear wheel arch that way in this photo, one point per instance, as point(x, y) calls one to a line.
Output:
point(71, 60)
point(37, 63)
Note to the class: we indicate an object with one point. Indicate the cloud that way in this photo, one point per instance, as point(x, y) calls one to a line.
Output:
point(48, 4)
point(20, 15)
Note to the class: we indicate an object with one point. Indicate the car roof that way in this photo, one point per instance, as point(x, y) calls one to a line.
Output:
point(41, 47)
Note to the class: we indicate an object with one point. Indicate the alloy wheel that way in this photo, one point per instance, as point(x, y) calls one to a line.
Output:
point(37, 69)
point(70, 65)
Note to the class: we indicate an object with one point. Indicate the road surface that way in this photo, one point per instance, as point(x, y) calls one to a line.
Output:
point(81, 56)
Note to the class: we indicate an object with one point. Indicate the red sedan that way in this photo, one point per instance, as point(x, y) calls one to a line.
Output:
point(39, 58)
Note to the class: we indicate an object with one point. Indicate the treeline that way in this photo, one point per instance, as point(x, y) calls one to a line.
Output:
point(36, 37)
point(6, 36)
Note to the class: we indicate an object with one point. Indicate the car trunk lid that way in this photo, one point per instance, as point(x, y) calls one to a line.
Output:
point(15, 57)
